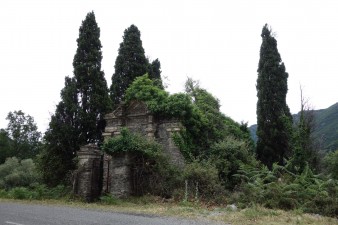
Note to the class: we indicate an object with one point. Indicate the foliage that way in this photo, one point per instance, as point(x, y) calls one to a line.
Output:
point(331, 164)
point(109, 200)
point(18, 173)
point(324, 131)
point(280, 188)
point(207, 125)
point(326, 127)
point(273, 115)
point(62, 138)
point(203, 182)
point(228, 155)
point(129, 142)
point(24, 135)
point(144, 89)
point(91, 85)
point(155, 73)
point(36, 192)
point(304, 149)
point(5, 146)
point(78, 119)
point(158, 101)
point(198, 111)
point(152, 173)
point(131, 63)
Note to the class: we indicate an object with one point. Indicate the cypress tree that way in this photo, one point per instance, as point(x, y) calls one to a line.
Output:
point(78, 119)
point(155, 73)
point(61, 138)
point(274, 121)
point(91, 85)
point(130, 63)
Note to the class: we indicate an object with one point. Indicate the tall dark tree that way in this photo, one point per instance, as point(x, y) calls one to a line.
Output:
point(130, 63)
point(155, 73)
point(274, 121)
point(78, 119)
point(62, 138)
point(91, 85)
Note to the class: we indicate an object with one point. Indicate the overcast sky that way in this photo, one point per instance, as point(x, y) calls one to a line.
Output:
point(214, 42)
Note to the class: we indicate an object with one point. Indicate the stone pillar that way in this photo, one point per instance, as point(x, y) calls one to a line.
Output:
point(88, 177)
point(166, 131)
point(120, 175)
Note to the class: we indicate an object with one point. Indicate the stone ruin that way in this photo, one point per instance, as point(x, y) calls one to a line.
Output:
point(100, 173)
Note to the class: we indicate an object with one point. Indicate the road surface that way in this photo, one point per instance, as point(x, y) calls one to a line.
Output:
point(31, 214)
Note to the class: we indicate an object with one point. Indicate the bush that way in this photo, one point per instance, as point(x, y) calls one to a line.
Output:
point(331, 164)
point(3, 193)
point(36, 192)
point(203, 182)
point(16, 173)
point(109, 200)
point(20, 193)
point(228, 155)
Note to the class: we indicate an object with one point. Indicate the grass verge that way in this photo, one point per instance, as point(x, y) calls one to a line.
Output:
point(255, 215)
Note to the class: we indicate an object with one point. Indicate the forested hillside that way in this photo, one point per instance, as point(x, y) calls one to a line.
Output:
point(326, 127)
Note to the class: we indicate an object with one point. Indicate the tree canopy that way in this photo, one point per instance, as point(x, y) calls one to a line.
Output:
point(273, 115)
point(78, 118)
point(130, 63)
point(23, 134)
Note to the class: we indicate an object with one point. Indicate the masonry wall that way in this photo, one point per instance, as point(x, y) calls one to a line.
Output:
point(117, 178)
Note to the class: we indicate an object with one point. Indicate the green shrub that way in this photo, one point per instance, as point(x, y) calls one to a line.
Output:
point(16, 173)
point(109, 200)
point(20, 193)
point(3, 193)
point(228, 155)
point(41, 191)
point(331, 164)
point(203, 182)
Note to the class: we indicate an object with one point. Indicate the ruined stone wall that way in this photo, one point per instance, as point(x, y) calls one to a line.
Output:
point(164, 135)
point(137, 118)
point(101, 173)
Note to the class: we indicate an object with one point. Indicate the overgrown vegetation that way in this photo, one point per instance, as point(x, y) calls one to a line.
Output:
point(280, 188)
point(221, 162)
point(152, 172)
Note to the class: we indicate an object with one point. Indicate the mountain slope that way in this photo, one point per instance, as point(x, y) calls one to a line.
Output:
point(326, 130)
point(327, 127)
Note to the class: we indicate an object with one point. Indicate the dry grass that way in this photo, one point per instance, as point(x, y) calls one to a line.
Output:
point(250, 216)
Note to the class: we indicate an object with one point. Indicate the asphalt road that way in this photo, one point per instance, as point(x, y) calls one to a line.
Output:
point(30, 214)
